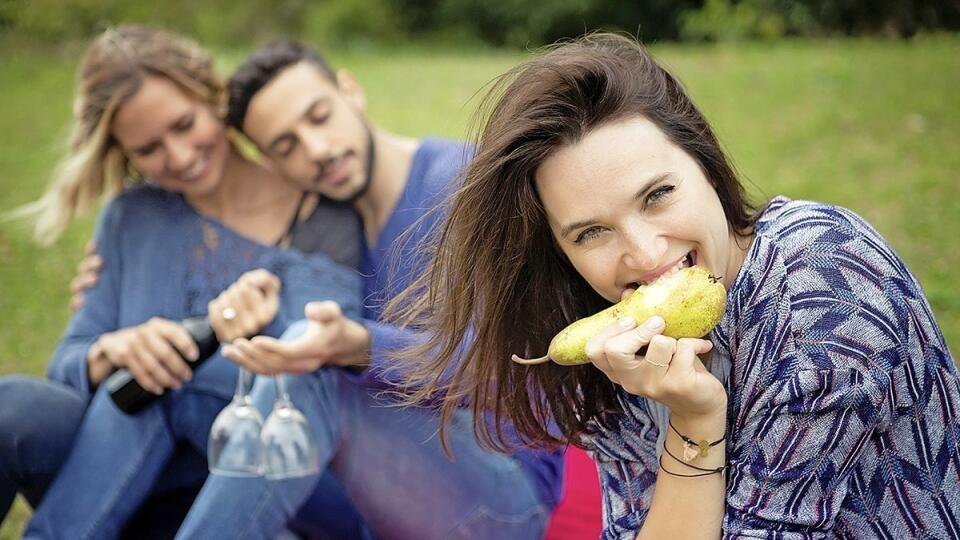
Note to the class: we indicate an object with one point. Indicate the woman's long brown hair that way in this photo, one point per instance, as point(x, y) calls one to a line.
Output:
point(496, 283)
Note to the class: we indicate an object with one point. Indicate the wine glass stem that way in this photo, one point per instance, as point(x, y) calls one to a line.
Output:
point(280, 383)
point(244, 382)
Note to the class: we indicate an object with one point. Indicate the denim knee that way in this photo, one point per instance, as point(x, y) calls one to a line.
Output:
point(38, 419)
point(36, 415)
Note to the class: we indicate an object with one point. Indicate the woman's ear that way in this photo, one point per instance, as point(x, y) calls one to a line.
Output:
point(350, 88)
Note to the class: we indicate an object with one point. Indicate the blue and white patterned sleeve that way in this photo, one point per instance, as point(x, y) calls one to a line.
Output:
point(818, 347)
point(627, 467)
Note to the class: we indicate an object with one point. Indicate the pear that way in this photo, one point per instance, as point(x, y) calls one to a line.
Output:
point(690, 301)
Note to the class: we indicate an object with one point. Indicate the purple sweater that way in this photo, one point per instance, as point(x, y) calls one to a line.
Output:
point(390, 266)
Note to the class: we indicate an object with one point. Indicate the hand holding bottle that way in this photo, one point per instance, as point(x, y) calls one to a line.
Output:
point(154, 352)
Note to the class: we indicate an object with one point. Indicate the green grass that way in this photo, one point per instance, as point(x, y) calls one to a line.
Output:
point(870, 125)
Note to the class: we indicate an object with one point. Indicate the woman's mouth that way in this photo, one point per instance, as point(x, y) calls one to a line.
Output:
point(195, 171)
point(686, 261)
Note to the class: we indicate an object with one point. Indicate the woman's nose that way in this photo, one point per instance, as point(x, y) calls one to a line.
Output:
point(644, 252)
point(180, 156)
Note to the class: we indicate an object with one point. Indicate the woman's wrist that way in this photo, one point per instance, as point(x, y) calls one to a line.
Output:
point(98, 365)
point(709, 426)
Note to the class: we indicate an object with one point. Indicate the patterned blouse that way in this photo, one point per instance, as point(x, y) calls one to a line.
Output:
point(844, 401)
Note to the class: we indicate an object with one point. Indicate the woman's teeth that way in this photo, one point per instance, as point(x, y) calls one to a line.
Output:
point(685, 262)
point(194, 170)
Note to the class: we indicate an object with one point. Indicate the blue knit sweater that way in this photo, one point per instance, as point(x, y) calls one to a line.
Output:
point(163, 259)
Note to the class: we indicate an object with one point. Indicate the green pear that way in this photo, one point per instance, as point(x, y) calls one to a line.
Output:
point(690, 301)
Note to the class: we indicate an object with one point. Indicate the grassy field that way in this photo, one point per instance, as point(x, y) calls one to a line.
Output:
point(870, 125)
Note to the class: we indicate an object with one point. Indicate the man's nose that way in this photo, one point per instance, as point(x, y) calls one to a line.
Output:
point(316, 146)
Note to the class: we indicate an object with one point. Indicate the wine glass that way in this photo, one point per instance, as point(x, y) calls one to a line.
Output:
point(234, 447)
point(287, 439)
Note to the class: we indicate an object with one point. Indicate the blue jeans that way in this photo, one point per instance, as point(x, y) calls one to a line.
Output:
point(390, 462)
point(117, 460)
point(38, 420)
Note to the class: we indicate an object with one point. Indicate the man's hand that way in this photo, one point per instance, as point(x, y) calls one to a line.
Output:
point(330, 339)
point(246, 307)
point(88, 272)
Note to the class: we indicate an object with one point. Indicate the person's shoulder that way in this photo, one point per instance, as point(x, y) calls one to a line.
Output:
point(837, 268)
point(145, 198)
point(140, 203)
point(785, 219)
point(443, 150)
point(800, 227)
point(441, 161)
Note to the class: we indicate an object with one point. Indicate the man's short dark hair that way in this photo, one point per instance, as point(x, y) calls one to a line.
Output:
point(261, 67)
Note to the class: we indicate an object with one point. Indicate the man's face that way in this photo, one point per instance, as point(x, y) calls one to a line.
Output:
point(314, 130)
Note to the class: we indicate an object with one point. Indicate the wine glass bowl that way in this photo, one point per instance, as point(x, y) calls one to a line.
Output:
point(234, 447)
point(288, 443)
point(242, 444)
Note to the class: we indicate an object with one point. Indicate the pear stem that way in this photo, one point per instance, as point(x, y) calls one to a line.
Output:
point(530, 361)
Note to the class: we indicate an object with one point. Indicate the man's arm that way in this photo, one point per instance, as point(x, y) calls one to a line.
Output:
point(88, 273)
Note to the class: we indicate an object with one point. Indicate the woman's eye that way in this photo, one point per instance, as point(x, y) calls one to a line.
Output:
point(184, 125)
point(146, 150)
point(319, 119)
point(657, 195)
point(587, 234)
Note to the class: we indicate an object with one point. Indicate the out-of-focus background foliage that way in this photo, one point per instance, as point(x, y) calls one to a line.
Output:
point(504, 22)
point(851, 102)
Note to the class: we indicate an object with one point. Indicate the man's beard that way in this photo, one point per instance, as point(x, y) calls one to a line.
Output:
point(367, 170)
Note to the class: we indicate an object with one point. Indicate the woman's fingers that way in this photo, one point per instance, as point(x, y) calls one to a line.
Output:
point(246, 307)
point(245, 298)
point(261, 291)
point(267, 282)
point(687, 350)
point(229, 314)
point(595, 348)
point(171, 344)
point(625, 346)
point(147, 370)
point(660, 351)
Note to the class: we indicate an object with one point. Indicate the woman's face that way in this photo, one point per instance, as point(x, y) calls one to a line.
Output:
point(171, 138)
point(626, 205)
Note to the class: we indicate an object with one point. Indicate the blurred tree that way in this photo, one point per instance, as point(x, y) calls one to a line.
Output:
point(516, 23)
point(742, 19)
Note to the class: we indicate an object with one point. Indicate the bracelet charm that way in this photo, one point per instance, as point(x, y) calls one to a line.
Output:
point(692, 449)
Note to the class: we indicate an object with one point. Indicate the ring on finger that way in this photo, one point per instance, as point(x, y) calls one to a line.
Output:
point(658, 364)
point(228, 314)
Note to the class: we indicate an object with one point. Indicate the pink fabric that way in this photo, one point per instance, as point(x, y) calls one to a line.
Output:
point(579, 515)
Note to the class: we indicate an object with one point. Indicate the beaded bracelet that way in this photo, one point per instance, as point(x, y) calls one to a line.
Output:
point(691, 447)
point(718, 470)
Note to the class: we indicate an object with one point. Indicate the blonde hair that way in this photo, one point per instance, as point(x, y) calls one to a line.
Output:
point(113, 69)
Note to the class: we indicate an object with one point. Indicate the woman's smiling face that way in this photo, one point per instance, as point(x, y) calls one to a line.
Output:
point(626, 205)
point(172, 138)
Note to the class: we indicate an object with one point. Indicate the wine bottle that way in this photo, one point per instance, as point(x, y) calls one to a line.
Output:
point(127, 393)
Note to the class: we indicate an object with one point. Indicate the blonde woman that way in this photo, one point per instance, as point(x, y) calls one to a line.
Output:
point(188, 218)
